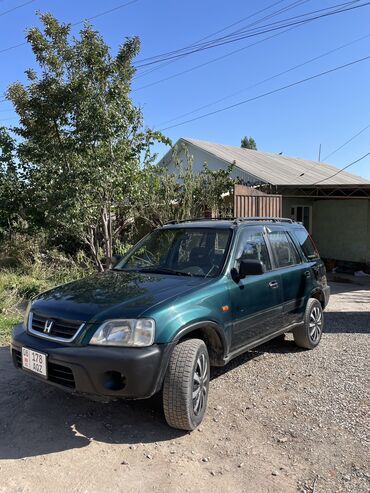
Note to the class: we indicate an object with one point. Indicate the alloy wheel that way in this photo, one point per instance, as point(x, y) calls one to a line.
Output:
point(315, 324)
point(200, 384)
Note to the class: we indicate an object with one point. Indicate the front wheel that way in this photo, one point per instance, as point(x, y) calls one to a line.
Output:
point(309, 334)
point(185, 388)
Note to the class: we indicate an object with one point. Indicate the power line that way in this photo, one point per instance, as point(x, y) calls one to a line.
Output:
point(207, 45)
point(213, 60)
point(178, 74)
point(16, 7)
point(288, 7)
point(342, 169)
point(267, 79)
point(264, 29)
point(105, 12)
point(206, 37)
point(241, 31)
point(260, 96)
point(4, 50)
point(12, 47)
point(347, 142)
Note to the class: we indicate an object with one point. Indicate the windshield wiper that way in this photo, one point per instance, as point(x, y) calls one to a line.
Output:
point(164, 270)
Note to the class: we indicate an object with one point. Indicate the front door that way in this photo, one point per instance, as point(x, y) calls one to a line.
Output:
point(256, 300)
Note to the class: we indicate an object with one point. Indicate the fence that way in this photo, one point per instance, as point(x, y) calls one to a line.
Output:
point(249, 202)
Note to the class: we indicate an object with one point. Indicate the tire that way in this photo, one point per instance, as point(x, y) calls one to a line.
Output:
point(309, 334)
point(187, 375)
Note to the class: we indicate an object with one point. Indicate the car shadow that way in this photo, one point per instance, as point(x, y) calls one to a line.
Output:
point(36, 419)
point(347, 322)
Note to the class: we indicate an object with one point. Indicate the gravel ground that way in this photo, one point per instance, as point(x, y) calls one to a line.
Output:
point(279, 420)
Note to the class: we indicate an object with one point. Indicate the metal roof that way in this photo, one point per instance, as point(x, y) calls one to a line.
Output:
point(276, 169)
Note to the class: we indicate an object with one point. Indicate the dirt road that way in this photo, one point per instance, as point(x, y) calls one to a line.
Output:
point(279, 420)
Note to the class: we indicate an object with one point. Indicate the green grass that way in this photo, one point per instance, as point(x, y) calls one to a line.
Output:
point(18, 286)
point(27, 269)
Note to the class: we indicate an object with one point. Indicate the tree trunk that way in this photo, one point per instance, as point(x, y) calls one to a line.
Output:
point(92, 242)
point(106, 217)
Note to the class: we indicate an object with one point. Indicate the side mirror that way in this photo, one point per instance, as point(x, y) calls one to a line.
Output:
point(251, 267)
point(116, 259)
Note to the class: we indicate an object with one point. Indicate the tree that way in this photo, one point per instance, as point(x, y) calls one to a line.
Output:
point(10, 182)
point(183, 193)
point(83, 144)
point(248, 143)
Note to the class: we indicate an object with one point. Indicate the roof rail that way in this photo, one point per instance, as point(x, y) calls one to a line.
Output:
point(193, 219)
point(235, 219)
point(269, 219)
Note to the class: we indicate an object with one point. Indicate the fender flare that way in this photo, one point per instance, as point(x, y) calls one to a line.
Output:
point(187, 329)
point(319, 294)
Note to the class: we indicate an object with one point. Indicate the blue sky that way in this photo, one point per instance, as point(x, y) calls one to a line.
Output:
point(327, 111)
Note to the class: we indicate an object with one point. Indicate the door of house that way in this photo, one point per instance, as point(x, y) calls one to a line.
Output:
point(303, 214)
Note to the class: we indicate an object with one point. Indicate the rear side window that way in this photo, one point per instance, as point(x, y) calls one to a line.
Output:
point(283, 249)
point(252, 246)
point(307, 245)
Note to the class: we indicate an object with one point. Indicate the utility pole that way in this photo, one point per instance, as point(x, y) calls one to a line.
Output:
point(319, 152)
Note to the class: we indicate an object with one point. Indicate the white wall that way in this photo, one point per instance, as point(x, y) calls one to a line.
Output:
point(199, 158)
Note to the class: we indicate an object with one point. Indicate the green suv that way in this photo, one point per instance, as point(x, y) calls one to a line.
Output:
point(188, 296)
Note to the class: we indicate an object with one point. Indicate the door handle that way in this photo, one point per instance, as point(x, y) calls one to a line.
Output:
point(307, 273)
point(273, 284)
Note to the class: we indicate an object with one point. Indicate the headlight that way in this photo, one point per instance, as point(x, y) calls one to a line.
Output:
point(128, 332)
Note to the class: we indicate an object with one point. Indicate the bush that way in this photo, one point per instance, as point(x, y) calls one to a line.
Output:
point(33, 269)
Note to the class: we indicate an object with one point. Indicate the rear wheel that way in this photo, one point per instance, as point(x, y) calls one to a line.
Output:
point(309, 334)
point(185, 388)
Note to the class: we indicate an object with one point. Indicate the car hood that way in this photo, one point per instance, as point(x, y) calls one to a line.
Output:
point(112, 294)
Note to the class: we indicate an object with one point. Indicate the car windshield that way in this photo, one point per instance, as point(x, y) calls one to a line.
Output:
point(179, 251)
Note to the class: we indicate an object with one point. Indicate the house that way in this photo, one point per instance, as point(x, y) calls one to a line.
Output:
point(334, 205)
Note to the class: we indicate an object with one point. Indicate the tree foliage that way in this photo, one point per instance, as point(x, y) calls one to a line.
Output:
point(10, 182)
point(248, 143)
point(82, 163)
point(179, 192)
point(83, 141)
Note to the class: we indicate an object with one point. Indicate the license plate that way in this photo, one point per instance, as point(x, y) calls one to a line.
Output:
point(34, 361)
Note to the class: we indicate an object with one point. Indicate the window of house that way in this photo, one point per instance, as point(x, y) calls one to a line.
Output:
point(283, 249)
point(303, 214)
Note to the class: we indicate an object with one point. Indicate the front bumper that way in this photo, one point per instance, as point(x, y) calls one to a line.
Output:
point(105, 372)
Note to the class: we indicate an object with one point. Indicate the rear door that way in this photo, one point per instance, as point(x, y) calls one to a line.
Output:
point(256, 300)
point(294, 272)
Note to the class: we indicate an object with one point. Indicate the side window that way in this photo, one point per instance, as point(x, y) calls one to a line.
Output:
point(283, 249)
point(307, 245)
point(252, 246)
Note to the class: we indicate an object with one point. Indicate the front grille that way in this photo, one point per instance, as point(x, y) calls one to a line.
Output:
point(59, 374)
point(64, 329)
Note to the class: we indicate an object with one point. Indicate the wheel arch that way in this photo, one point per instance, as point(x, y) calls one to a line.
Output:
point(213, 336)
point(319, 295)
